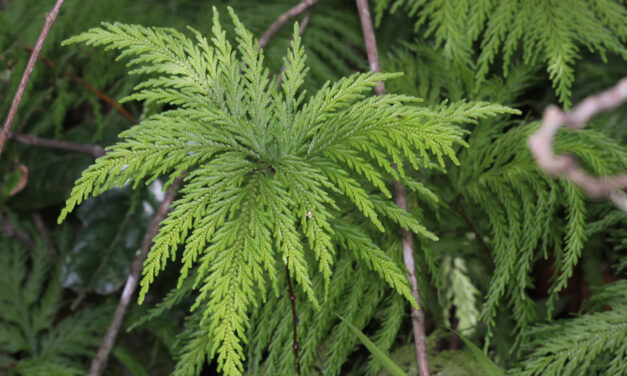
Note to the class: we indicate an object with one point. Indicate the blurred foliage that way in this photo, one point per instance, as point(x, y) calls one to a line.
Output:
point(36, 338)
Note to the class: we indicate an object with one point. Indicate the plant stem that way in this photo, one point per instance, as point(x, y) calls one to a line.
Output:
point(17, 99)
point(95, 150)
point(92, 89)
point(541, 144)
point(294, 319)
point(283, 19)
point(100, 361)
point(417, 314)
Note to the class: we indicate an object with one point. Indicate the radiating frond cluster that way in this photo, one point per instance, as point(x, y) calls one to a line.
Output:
point(268, 170)
point(551, 32)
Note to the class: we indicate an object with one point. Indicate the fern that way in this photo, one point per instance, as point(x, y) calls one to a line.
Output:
point(523, 215)
point(461, 293)
point(550, 32)
point(513, 203)
point(592, 343)
point(267, 167)
point(34, 338)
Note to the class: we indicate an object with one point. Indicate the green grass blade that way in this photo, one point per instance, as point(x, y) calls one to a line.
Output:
point(378, 354)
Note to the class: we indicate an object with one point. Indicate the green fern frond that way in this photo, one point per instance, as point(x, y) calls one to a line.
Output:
point(593, 343)
point(461, 294)
point(551, 32)
point(266, 169)
point(32, 334)
point(520, 202)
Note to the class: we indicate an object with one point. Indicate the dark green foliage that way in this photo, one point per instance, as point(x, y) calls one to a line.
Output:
point(589, 344)
point(550, 32)
point(99, 258)
point(34, 339)
point(517, 202)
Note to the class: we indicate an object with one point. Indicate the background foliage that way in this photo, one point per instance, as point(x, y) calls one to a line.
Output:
point(522, 259)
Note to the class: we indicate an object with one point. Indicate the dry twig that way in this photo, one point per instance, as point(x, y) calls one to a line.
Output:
point(100, 361)
point(95, 150)
point(283, 19)
point(541, 144)
point(17, 99)
point(417, 314)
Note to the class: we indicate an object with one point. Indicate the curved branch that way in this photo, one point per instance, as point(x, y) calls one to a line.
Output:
point(283, 19)
point(95, 150)
point(541, 144)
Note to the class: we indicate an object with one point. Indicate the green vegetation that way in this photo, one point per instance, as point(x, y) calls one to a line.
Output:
point(287, 201)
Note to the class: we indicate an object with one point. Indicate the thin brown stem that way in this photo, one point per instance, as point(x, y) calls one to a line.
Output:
point(294, 319)
point(92, 89)
point(17, 99)
point(100, 361)
point(371, 42)
point(95, 150)
point(283, 19)
point(417, 314)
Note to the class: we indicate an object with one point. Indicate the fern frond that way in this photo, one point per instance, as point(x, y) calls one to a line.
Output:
point(551, 32)
point(267, 171)
point(32, 335)
point(521, 201)
point(593, 343)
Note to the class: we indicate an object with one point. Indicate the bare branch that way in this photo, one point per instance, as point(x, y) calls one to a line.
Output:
point(417, 314)
point(100, 361)
point(371, 42)
point(283, 19)
point(95, 150)
point(17, 99)
point(541, 144)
